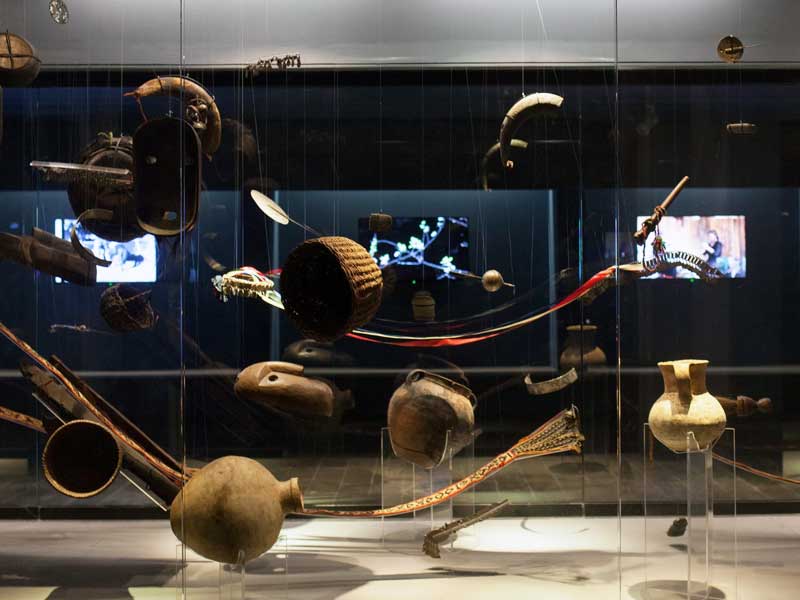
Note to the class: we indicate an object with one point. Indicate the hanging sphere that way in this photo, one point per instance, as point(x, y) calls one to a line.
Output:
point(492, 280)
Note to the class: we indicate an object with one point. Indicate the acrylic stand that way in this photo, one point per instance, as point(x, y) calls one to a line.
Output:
point(402, 481)
point(196, 579)
point(709, 542)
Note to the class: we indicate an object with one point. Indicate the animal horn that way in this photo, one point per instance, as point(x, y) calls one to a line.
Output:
point(81, 458)
point(201, 109)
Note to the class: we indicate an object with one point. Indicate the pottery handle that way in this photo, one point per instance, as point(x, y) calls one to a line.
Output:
point(684, 379)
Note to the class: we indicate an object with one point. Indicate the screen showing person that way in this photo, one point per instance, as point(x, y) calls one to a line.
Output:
point(719, 240)
point(131, 262)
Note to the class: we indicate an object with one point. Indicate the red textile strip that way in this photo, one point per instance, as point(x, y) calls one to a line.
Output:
point(462, 341)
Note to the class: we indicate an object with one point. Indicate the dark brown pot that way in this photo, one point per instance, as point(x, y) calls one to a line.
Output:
point(430, 416)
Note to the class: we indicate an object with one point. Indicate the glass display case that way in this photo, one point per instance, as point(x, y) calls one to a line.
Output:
point(305, 299)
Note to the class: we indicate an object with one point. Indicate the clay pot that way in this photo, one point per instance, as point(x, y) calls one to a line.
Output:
point(282, 386)
point(581, 348)
point(686, 406)
point(423, 306)
point(233, 504)
point(421, 413)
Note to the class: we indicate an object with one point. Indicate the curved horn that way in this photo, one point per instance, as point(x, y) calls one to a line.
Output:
point(208, 122)
point(519, 114)
point(81, 459)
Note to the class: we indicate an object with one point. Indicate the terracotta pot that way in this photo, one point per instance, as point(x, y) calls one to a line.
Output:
point(423, 306)
point(581, 348)
point(233, 504)
point(686, 406)
point(421, 413)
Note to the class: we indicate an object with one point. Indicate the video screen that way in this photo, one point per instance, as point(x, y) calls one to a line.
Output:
point(131, 262)
point(719, 240)
point(420, 248)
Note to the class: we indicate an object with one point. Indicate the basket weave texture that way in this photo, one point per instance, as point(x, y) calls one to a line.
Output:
point(124, 309)
point(330, 286)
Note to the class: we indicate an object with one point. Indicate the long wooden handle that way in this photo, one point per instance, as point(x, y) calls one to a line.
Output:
point(650, 223)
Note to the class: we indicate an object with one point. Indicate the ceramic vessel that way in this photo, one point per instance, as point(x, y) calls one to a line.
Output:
point(429, 416)
point(581, 348)
point(233, 505)
point(686, 406)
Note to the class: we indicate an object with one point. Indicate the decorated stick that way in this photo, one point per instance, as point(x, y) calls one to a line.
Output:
point(650, 223)
point(560, 434)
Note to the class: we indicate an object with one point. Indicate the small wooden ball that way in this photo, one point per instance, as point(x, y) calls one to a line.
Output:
point(492, 280)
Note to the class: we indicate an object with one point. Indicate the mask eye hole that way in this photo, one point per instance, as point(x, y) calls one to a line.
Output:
point(272, 377)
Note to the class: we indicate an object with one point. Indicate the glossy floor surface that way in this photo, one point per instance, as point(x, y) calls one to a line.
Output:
point(324, 559)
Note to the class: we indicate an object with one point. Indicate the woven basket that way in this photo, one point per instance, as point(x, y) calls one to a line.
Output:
point(126, 309)
point(330, 286)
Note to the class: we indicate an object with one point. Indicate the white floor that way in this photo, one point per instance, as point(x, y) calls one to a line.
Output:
point(323, 559)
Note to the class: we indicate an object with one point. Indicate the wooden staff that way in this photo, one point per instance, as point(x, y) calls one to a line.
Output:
point(650, 223)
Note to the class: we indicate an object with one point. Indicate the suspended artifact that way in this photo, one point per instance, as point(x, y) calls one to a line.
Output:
point(284, 387)
point(741, 128)
point(71, 172)
point(200, 109)
point(49, 254)
point(312, 353)
point(125, 308)
point(110, 189)
point(539, 388)
point(560, 434)
point(490, 156)
point(440, 535)
point(430, 417)
point(581, 349)
point(59, 12)
point(271, 208)
point(678, 527)
point(649, 225)
point(730, 49)
point(423, 306)
point(273, 63)
point(232, 509)
point(667, 260)
point(82, 328)
point(69, 398)
point(745, 406)
point(19, 64)
point(330, 286)
point(166, 167)
point(686, 406)
point(81, 458)
point(539, 104)
point(492, 281)
point(380, 222)
point(244, 282)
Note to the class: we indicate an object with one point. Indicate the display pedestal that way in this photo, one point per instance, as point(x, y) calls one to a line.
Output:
point(202, 578)
point(402, 481)
point(708, 541)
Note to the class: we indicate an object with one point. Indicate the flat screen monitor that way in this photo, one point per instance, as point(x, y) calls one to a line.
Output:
point(131, 262)
point(719, 240)
point(418, 248)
